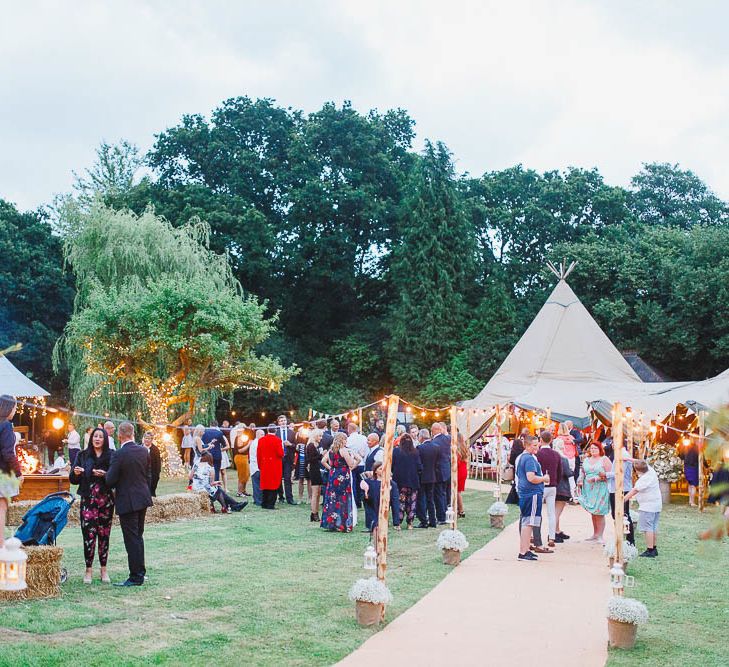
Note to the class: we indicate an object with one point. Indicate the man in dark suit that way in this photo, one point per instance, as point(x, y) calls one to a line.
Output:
point(130, 475)
point(288, 437)
point(442, 470)
point(155, 461)
point(429, 454)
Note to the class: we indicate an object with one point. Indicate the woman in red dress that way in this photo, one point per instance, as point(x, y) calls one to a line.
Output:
point(270, 463)
point(463, 453)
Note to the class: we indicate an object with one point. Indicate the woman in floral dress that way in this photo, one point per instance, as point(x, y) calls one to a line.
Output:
point(339, 511)
point(97, 500)
point(593, 485)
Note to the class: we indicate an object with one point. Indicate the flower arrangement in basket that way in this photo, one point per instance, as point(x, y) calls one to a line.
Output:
point(497, 512)
point(624, 616)
point(664, 461)
point(370, 597)
point(630, 552)
point(452, 543)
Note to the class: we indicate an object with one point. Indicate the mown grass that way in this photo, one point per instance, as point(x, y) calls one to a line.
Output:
point(263, 588)
point(686, 590)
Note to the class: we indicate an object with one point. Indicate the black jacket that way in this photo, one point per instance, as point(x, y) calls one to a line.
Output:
point(130, 475)
point(429, 454)
point(443, 467)
point(406, 468)
point(87, 460)
point(155, 468)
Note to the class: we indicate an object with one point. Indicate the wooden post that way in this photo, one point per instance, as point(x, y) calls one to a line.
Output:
point(467, 438)
point(618, 469)
point(498, 453)
point(359, 421)
point(382, 520)
point(702, 484)
point(454, 465)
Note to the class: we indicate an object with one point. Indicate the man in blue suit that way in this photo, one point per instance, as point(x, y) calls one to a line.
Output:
point(442, 470)
point(429, 454)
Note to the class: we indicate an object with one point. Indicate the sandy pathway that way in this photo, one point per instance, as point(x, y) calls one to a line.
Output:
point(493, 609)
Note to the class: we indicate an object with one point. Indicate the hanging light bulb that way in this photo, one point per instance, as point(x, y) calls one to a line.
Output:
point(422, 413)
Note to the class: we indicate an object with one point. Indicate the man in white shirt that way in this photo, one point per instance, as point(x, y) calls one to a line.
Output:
point(357, 443)
point(110, 428)
point(255, 471)
point(74, 444)
point(647, 492)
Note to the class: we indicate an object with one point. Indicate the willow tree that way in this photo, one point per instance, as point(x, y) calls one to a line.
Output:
point(159, 324)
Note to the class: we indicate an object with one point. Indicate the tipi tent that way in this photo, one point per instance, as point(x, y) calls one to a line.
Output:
point(14, 383)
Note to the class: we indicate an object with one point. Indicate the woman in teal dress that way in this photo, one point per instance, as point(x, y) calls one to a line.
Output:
point(593, 485)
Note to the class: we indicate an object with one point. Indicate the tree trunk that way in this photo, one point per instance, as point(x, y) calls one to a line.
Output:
point(172, 465)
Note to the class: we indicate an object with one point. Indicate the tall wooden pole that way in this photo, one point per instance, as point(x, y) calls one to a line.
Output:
point(359, 421)
point(382, 519)
point(454, 465)
point(498, 453)
point(702, 485)
point(618, 461)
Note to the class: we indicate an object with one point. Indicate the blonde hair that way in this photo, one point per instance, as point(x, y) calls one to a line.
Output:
point(340, 440)
point(564, 429)
point(462, 448)
point(198, 432)
point(313, 435)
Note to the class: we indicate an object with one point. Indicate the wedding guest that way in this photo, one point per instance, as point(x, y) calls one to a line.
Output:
point(11, 474)
point(627, 486)
point(313, 457)
point(110, 430)
point(530, 484)
point(357, 443)
point(442, 471)
point(300, 468)
point(338, 511)
point(200, 447)
point(270, 454)
point(690, 456)
point(129, 475)
point(429, 455)
point(97, 501)
point(288, 438)
point(551, 463)
point(406, 469)
point(380, 428)
point(242, 446)
point(571, 452)
point(517, 447)
point(224, 459)
point(371, 485)
point(213, 442)
point(203, 479)
point(155, 461)
point(564, 493)
point(647, 492)
point(87, 436)
point(464, 453)
point(188, 446)
point(594, 495)
point(73, 440)
point(255, 471)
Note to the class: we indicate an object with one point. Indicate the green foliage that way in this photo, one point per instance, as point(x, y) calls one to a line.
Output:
point(38, 295)
point(450, 383)
point(158, 312)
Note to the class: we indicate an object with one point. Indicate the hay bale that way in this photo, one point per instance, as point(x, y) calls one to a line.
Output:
point(176, 506)
point(43, 575)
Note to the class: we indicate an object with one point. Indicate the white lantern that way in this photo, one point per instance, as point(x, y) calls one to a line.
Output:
point(617, 578)
point(450, 516)
point(626, 525)
point(12, 566)
point(370, 558)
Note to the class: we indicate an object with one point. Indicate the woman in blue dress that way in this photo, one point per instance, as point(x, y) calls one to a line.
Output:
point(339, 512)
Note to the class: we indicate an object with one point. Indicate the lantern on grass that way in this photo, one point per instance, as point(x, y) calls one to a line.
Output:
point(370, 558)
point(617, 578)
point(450, 515)
point(626, 525)
point(12, 566)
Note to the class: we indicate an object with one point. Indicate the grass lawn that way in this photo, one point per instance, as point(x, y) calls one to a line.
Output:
point(263, 588)
point(686, 590)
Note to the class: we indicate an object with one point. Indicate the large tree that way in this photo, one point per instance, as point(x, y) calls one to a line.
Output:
point(432, 272)
point(159, 323)
point(38, 296)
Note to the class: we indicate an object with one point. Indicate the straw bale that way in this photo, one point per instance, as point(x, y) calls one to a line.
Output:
point(43, 575)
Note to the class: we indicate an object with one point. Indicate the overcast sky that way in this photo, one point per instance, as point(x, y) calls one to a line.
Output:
point(548, 84)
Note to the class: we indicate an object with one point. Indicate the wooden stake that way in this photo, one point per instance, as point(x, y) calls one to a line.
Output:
point(618, 461)
point(382, 520)
point(702, 485)
point(454, 465)
point(498, 453)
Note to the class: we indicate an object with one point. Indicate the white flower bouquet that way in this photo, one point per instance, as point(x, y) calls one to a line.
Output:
point(630, 552)
point(627, 610)
point(664, 461)
point(452, 539)
point(498, 509)
point(370, 590)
